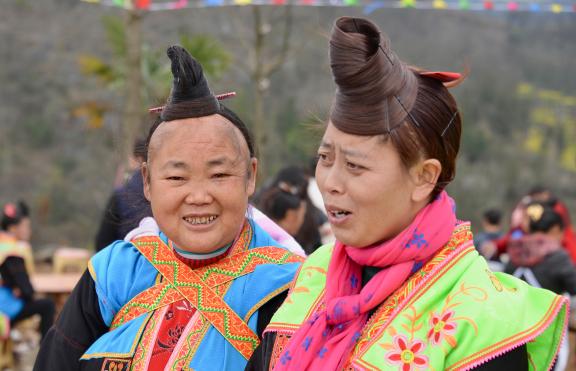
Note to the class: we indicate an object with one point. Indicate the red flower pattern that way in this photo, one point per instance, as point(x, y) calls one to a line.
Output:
point(441, 327)
point(406, 354)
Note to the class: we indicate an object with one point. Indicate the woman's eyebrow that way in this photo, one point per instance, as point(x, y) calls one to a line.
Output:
point(353, 153)
point(175, 164)
point(219, 161)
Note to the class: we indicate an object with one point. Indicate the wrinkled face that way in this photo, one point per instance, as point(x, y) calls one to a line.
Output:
point(21, 231)
point(198, 180)
point(365, 187)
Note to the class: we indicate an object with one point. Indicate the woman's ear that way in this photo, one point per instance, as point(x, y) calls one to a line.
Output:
point(425, 176)
point(252, 172)
point(146, 179)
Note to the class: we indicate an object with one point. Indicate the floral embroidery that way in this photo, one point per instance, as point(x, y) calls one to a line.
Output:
point(417, 240)
point(407, 354)
point(442, 326)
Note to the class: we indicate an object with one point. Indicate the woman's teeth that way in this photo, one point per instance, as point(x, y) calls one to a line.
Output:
point(339, 214)
point(200, 219)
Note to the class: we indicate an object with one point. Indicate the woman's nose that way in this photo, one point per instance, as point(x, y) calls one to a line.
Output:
point(333, 183)
point(198, 194)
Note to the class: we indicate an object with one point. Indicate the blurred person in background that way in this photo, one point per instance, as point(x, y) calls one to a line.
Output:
point(491, 231)
point(518, 220)
point(539, 258)
point(127, 204)
point(293, 179)
point(284, 208)
point(17, 299)
point(195, 288)
point(544, 195)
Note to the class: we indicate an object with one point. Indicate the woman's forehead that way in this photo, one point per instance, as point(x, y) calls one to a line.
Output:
point(360, 146)
point(211, 134)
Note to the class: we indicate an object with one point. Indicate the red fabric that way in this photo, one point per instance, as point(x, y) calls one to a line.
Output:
point(442, 76)
point(171, 328)
point(569, 240)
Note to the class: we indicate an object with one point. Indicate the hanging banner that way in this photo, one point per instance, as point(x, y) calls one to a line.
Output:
point(368, 6)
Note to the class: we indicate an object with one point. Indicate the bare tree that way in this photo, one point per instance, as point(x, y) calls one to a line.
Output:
point(264, 65)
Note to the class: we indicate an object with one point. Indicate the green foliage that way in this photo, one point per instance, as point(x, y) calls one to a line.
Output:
point(155, 68)
point(551, 127)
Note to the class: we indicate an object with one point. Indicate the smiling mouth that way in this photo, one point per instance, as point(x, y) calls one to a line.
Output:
point(200, 220)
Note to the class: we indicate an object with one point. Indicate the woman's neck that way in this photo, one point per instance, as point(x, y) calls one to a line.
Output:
point(201, 256)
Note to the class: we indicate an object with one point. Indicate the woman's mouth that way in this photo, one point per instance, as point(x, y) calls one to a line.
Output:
point(337, 216)
point(200, 220)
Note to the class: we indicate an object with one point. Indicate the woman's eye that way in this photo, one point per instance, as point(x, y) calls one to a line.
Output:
point(220, 175)
point(353, 166)
point(175, 178)
point(321, 157)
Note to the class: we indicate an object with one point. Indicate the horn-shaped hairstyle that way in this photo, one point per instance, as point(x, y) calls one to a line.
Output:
point(191, 97)
point(378, 94)
point(373, 84)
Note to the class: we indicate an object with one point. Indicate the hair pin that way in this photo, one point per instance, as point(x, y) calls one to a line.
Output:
point(218, 97)
point(449, 123)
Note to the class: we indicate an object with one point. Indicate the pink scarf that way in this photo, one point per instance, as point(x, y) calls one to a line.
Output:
point(325, 340)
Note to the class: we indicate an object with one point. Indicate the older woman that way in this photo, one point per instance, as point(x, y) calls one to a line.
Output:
point(199, 292)
point(403, 287)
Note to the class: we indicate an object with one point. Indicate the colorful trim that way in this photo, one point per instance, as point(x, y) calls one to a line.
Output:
point(290, 328)
point(146, 344)
point(517, 340)
point(153, 298)
point(130, 353)
point(214, 275)
point(91, 270)
point(115, 364)
point(199, 294)
point(412, 290)
point(265, 300)
point(280, 343)
point(236, 265)
point(186, 348)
